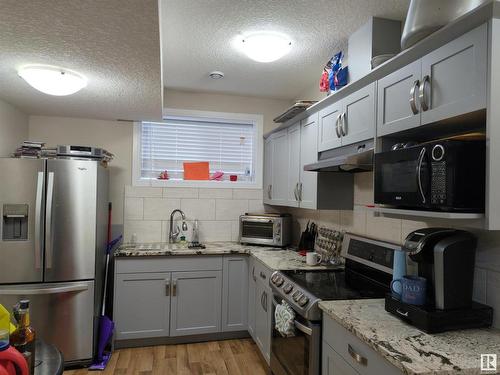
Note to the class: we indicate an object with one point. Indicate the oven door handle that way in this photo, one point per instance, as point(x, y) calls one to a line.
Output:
point(302, 328)
point(419, 174)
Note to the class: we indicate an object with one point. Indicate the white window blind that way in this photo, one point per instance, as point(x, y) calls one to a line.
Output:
point(227, 146)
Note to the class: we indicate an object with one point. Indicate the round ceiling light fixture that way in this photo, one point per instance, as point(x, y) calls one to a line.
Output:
point(216, 74)
point(265, 46)
point(52, 80)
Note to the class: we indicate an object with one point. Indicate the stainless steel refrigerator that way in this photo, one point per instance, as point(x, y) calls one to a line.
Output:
point(52, 247)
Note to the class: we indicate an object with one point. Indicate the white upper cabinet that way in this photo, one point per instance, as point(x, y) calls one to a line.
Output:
point(308, 186)
point(279, 188)
point(268, 170)
point(357, 122)
point(294, 165)
point(397, 107)
point(328, 132)
point(445, 83)
point(349, 120)
point(454, 77)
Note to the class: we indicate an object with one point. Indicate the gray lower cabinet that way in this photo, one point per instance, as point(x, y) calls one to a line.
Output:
point(142, 305)
point(252, 284)
point(260, 306)
point(263, 303)
point(196, 303)
point(334, 364)
point(235, 294)
point(344, 353)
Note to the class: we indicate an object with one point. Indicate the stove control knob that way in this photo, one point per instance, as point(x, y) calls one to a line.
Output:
point(274, 278)
point(288, 288)
point(297, 296)
point(303, 301)
point(279, 281)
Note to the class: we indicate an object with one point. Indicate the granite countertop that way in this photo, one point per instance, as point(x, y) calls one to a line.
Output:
point(406, 347)
point(274, 258)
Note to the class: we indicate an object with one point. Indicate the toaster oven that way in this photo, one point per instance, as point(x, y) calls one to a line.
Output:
point(266, 229)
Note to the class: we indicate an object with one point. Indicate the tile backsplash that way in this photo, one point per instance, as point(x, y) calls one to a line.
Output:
point(147, 211)
point(365, 223)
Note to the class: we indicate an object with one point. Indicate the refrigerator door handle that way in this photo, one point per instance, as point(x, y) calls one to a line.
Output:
point(44, 290)
point(48, 221)
point(38, 220)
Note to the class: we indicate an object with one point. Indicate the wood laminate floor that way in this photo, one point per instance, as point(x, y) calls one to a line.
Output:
point(228, 357)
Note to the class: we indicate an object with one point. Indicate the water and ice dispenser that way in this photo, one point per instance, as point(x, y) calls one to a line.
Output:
point(15, 222)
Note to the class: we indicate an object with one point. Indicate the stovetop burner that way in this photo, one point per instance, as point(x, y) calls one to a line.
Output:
point(335, 284)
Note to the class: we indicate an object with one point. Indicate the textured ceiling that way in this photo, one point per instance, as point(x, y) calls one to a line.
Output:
point(114, 43)
point(197, 36)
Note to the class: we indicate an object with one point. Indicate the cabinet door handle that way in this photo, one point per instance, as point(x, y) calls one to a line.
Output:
point(356, 356)
point(174, 289)
point(167, 288)
point(253, 274)
point(295, 191)
point(337, 125)
point(343, 124)
point(270, 191)
point(421, 93)
point(300, 191)
point(262, 275)
point(419, 174)
point(413, 102)
point(264, 301)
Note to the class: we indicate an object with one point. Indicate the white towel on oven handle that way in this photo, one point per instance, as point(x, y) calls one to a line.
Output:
point(284, 318)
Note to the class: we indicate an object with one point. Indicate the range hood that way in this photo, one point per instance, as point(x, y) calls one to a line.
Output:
point(351, 159)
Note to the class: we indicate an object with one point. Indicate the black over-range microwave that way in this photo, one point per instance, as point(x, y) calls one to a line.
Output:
point(446, 175)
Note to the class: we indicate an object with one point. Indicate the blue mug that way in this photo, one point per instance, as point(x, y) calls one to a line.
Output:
point(414, 289)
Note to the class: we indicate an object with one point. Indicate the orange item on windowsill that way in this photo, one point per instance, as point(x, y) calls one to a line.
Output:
point(196, 171)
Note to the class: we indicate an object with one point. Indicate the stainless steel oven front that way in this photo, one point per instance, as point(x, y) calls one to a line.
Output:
point(297, 355)
point(265, 229)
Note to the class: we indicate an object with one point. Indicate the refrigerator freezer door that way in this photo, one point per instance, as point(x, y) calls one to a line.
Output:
point(70, 220)
point(61, 313)
point(21, 223)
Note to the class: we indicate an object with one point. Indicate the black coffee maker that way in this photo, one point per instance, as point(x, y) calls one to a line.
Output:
point(445, 258)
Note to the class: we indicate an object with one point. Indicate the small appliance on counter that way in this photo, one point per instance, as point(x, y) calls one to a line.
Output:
point(266, 229)
point(442, 175)
point(445, 259)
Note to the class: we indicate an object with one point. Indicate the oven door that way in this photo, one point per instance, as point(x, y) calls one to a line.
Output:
point(402, 177)
point(257, 231)
point(298, 355)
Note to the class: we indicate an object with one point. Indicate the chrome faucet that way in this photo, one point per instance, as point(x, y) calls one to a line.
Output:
point(172, 236)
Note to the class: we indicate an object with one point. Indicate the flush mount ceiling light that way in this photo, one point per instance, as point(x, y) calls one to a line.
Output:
point(52, 80)
point(265, 46)
point(216, 74)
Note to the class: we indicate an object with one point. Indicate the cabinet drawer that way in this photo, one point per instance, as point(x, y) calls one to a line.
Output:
point(261, 273)
point(334, 364)
point(168, 264)
point(340, 339)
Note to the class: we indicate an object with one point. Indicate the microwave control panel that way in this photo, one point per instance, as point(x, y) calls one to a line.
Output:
point(438, 182)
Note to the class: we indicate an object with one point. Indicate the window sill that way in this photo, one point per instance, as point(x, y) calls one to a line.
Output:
point(198, 184)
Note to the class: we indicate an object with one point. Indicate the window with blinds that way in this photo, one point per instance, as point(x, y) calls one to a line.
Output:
point(228, 147)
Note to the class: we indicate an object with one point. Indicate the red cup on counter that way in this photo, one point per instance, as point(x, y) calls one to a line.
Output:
point(233, 178)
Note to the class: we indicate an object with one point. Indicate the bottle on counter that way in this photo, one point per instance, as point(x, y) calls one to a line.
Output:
point(23, 337)
point(195, 238)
